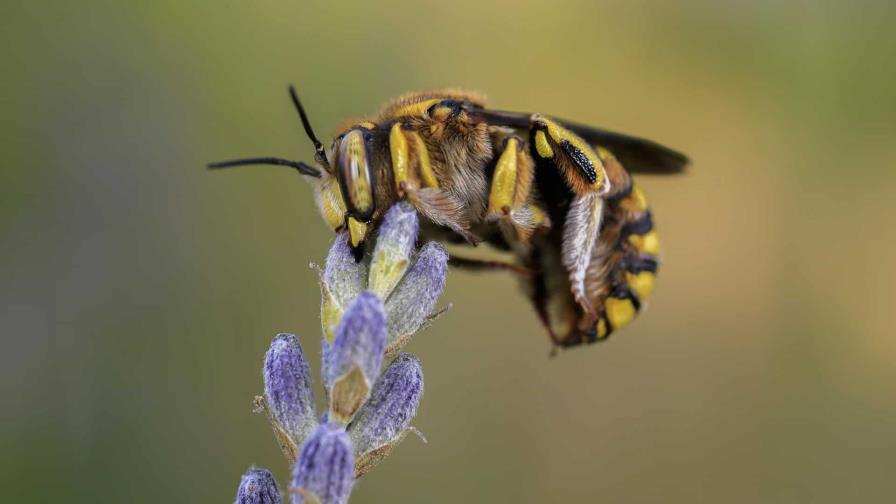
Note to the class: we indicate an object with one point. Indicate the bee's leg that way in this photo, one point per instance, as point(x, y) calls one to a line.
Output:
point(509, 202)
point(481, 265)
point(540, 289)
point(580, 165)
point(416, 181)
point(586, 177)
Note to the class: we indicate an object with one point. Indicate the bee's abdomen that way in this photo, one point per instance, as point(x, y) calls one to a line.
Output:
point(629, 255)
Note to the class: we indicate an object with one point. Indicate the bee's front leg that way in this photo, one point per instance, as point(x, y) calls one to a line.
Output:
point(586, 177)
point(415, 180)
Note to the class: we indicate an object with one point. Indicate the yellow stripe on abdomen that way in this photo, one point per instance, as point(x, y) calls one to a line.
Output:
point(633, 278)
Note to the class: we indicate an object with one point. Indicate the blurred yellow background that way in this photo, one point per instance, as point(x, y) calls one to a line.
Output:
point(139, 292)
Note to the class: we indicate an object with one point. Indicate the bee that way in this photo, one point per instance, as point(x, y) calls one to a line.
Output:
point(556, 199)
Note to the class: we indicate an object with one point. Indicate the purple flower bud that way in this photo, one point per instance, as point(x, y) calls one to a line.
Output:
point(394, 246)
point(287, 387)
point(345, 277)
point(415, 297)
point(353, 360)
point(391, 407)
point(258, 487)
point(360, 338)
point(342, 280)
point(325, 468)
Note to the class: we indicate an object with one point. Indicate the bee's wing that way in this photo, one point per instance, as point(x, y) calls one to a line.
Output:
point(638, 155)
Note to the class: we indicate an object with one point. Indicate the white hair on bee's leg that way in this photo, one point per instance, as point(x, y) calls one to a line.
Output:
point(580, 232)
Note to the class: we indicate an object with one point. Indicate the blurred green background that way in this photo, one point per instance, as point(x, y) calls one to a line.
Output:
point(139, 292)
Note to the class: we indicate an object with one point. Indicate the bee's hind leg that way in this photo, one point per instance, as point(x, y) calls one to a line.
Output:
point(486, 265)
point(556, 147)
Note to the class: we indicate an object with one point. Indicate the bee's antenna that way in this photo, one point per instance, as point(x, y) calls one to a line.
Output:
point(318, 147)
point(303, 168)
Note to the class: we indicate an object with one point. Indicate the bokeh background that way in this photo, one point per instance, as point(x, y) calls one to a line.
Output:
point(138, 292)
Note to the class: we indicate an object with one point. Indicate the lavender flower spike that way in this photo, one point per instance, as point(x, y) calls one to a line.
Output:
point(384, 419)
point(353, 360)
point(258, 487)
point(342, 279)
point(394, 245)
point(324, 472)
point(415, 297)
point(287, 391)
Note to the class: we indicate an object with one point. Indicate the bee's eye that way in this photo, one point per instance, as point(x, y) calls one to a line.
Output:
point(355, 175)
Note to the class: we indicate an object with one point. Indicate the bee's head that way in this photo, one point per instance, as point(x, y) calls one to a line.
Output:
point(342, 179)
point(349, 163)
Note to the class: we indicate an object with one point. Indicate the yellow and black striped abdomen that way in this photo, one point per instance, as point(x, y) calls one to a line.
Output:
point(619, 279)
point(625, 263)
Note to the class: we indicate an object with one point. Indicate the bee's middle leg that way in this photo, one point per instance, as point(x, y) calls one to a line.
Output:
point(585, 175)
point(509, 199)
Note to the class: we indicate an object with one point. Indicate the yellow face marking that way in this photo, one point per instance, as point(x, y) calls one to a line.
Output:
point(357, 230)
point(619, 311)
point(398, 145)
point(356, 172)
point(641, 283)
point(542, 146)
point(504, 181)
point(425, 166)
point(416, 109)
point(648, 243)
point(329, 201)
point(367, 125)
